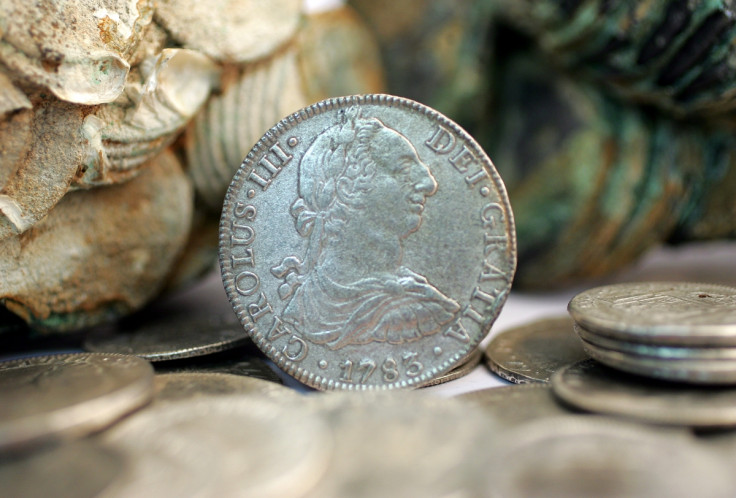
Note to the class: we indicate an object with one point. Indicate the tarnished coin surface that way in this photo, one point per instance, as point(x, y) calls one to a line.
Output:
point(661, 351)
point(693, 371)
point(238, 361)
point(533, 352)
point(594, 387)
point(79, 469)
point(63, 396)
point(220, 446)
point(683, 313)
point(463, 369)
point(600, 456)
point(510, 406)
point(173, 336)
point(404, 444)
point(367, 242)
point(184, 385)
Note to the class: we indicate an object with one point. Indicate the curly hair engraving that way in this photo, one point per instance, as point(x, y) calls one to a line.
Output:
point(362, 190)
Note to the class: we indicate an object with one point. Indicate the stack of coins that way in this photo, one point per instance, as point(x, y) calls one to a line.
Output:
point(673, 331)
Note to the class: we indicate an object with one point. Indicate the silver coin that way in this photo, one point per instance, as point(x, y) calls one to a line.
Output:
point(65, 396)
point(184, 385)
point(220, 446)
point(404, 444)
point(78, 469)
point(533, 352)
point(173, 336)
point(665, 352)
point(599, 456)
point(510, 406)
point(682, 313)
point(460, 371)
point(681, 370)
point(234, 361)
point(367, 242)
point(591, 386)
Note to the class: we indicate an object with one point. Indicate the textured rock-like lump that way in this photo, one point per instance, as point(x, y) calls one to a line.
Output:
point(100, 253)
point(78, 49)
point(230, 30)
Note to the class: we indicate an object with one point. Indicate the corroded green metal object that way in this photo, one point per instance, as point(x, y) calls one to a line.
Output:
point(610, 122)
point(678, 55)
point(594, 181)
point(435, 51)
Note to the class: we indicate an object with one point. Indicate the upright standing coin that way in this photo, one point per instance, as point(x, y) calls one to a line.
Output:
point(590, 386)
point(173, 336)
point(50, 397)
point(682, 313)
point(533, 352)
point(367, 242)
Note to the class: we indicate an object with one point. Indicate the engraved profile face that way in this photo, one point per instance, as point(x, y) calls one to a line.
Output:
point(400, 185)
point(362, 190)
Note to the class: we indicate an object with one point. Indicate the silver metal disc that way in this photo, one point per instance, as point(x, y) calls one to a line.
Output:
point(603, 457)
point(682, 370)
point(591, 386)
point(181, 385)
point(460, 371)
point(511, 406)
point(534, 351)
point(663, 352)
point(681, 313)
point(67, 396)
point(367, 242)
point(220, 446)
point(173, 336)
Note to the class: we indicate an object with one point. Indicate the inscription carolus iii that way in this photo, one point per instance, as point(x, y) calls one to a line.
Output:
point(367, 242)
point(362, 190)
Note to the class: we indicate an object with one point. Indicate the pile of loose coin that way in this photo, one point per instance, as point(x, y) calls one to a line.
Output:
point(109, 424)
point(674, 331)
point(102, 424)
point(658, 352)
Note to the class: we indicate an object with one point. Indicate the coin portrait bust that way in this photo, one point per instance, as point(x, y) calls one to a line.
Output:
point(361, 192)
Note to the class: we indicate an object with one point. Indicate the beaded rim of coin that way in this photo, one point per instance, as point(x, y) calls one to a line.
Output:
point(668, 351)
point(690, 371)
point(61, 420)
point(496, 244)
point(463, 369)
point(687, 317)
point(164, 341)
point(512, 367)
point(594, 387)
